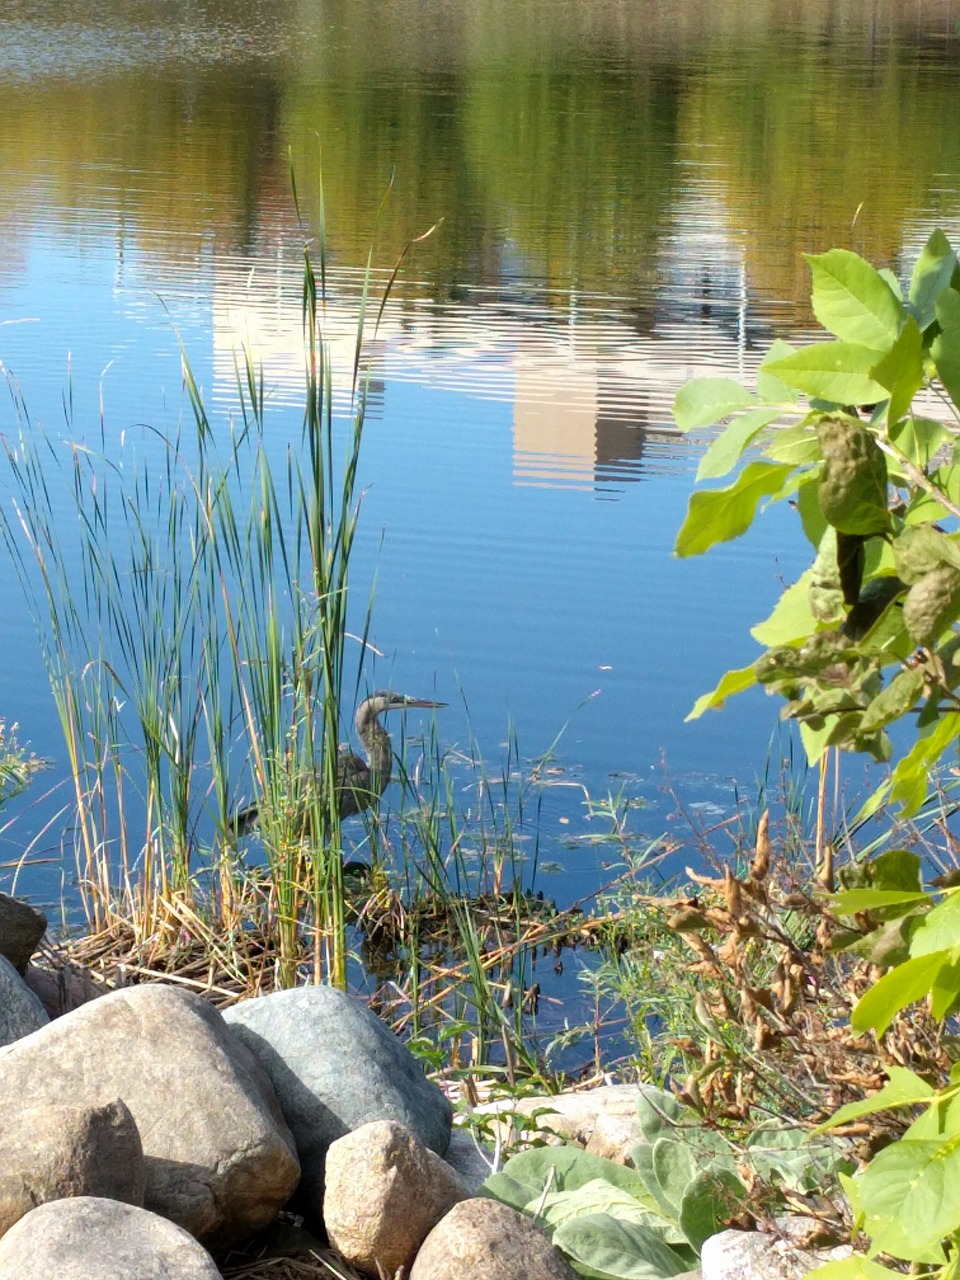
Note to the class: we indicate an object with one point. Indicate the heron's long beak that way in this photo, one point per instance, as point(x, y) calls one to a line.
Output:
point(422, 702)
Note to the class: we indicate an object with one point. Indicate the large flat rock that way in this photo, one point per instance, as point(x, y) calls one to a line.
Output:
point(220, 1161)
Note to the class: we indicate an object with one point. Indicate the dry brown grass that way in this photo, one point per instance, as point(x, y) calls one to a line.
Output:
point(318, 1264)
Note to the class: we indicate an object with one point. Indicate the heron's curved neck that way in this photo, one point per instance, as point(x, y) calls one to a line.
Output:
point(376, 743)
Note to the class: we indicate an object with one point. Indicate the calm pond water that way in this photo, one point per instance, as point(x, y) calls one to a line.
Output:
point(624, 192)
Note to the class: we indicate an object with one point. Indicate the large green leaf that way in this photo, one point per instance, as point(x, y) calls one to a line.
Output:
point(923, 507)
point(892, 280)
point(858, 1267)
point(936, 1121)
point(710, 1201)
point(791, 1156)
point(616, 1249)
point(853, 301)
point(917, 1182)
point(596, 1196)
point(524, 1176)
point(887, 945)
point(903, 1088)
point(797, 445)
point(945, 348)
point(791, 619)
point(894, 869)
point(730, 683)
point(850, 901)
point(931, 276)
point(725, 451)
point(910, 780)
point(675, 1166)
point(901, 371)
point(720, 515)
point(808, 505)
point(904, 985)
point(900, 695)
point(888, 1234)
point(642, 1156)
point(816, 740)
point(895, 1238)
point(769, 386)
point(945, 991)
point(919, 439)
point(940, 928)
point(835, 371)
point(662, 1114)
point(704, 401)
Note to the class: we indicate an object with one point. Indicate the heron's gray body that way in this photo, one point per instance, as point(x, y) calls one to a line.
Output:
point(360, 782)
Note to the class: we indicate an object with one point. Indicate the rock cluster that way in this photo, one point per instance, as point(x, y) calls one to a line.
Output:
point(144, 1128)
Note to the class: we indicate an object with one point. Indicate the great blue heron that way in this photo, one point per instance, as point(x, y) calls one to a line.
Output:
point(360, 783)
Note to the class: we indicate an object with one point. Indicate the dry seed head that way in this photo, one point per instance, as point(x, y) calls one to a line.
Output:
point(732, 893)
point(761, 858)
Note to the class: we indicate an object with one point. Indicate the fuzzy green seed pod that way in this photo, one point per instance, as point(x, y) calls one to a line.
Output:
point(932, 604)
point(853, 482)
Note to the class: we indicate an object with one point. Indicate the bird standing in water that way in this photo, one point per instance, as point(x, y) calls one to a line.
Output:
point(360, 783)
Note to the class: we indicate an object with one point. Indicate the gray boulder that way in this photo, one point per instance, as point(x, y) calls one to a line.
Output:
point(52, 1153)
point(783, 1254)
point(470, 1160)
point(92, 1239)
point(21, 928)
point(20, 1010)
point(486, 1240)
point(384, 1193)
point(220, 1160)
point(63, 988)
point(335, 1066)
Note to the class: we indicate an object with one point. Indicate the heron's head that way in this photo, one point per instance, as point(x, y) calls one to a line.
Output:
point(387, 700)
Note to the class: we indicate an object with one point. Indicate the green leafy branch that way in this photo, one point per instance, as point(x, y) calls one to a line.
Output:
point(867, 635)
point(907, 1198)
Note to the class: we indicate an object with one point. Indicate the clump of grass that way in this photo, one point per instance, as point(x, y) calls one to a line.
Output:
point(197, 632)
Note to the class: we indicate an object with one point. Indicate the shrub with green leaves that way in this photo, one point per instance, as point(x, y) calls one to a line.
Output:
point(687, 1183)
point(861, 435)
point(906, 1198)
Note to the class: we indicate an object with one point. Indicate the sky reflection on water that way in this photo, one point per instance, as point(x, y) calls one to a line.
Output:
point(624, 195)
